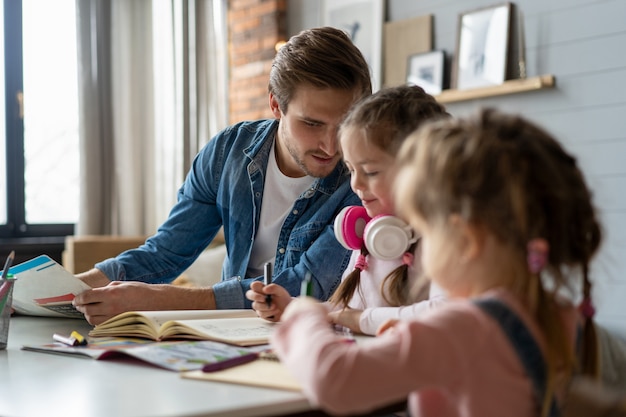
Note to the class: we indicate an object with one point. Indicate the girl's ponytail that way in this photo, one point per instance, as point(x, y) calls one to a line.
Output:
point(351, 283)
point(588, 349)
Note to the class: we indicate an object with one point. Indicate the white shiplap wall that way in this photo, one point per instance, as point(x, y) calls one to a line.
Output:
point(582, 43)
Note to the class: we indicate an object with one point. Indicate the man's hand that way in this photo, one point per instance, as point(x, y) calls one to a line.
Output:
point(102, 303)
point(347, 317)
point(280, 299)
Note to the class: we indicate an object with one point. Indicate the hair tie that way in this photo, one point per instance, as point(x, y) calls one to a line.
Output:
point(586, 308)
point(537, 255)
point(407, 259)
point(361, 263)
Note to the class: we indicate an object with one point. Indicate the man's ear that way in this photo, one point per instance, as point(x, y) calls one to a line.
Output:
point(470, 238)
point(274, 107)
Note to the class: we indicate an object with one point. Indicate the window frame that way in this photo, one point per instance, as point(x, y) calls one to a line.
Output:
point(16, 226)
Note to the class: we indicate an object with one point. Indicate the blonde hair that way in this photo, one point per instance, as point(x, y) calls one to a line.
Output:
point(512, 178)
point(384, 119)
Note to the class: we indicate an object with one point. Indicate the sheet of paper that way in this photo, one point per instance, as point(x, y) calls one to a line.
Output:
point(259, 373)
point(239, 330)
point(44, 288)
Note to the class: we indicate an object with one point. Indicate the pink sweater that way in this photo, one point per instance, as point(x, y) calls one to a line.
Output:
point(452, 361)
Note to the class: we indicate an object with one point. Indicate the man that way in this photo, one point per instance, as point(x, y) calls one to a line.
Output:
point(274, 185)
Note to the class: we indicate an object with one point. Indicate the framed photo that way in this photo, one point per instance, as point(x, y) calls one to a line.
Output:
point(363, 21)
point(401, 39)
point(482, 47)
point(426, 70)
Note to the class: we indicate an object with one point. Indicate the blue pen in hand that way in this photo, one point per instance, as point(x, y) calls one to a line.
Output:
point(229, 363)
point(267, 280)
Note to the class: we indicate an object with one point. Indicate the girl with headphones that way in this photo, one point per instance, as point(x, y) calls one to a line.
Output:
point(376, 285)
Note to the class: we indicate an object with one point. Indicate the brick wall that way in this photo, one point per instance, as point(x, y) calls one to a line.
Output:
point(254, 28)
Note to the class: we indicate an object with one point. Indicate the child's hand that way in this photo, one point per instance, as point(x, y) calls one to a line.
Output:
point(304, 304)
point(280, 299)
point(389, 324)
point(347, 318)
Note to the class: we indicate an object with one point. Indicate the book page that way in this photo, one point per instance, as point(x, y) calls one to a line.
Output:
point(187, 355)
point(161, 317)
point(173, 356)
point(147, 323)
point(96, 349)
point(243, 331)
point(42, 280)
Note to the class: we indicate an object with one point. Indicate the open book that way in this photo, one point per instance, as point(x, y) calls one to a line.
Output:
point(267, 371)
point(237, 327)
point(175, 356)
point(44, 288)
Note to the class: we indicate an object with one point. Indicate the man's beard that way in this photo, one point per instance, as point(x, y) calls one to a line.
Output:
point(300, 162)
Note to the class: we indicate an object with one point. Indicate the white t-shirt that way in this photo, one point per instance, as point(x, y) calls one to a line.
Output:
point(279, 194)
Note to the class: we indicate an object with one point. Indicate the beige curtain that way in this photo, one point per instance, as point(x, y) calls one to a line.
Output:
point(152, 79)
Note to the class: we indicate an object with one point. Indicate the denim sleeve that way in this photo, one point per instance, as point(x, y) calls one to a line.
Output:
point(113, 269)
point(191, 225)
point(230, 293)
point(319, 254)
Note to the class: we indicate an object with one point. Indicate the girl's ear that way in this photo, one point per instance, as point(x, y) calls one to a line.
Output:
point(470, 240)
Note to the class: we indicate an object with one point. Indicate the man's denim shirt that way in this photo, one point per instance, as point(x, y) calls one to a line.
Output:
point(225, 187)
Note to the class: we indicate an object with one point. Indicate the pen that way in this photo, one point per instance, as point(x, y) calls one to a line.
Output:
point(267, 280)
point(7, 265)
point(229, 363)
point(306, 288)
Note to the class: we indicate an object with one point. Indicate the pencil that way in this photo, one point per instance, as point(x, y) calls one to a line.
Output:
point(7, 265)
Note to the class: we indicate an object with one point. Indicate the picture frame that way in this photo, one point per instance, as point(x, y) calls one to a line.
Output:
point(483, 37)
point(427, 71)
point(363, 21)
point(401, 39)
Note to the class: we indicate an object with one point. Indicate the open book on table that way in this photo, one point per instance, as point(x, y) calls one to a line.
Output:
point(237, 327)
point(175, 356)
point(44, 288)
point(266, 371)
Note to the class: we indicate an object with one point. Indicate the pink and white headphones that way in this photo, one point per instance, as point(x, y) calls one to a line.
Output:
point(386, 237)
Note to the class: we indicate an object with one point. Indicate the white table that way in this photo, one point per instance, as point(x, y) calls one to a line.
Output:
point(40, 384)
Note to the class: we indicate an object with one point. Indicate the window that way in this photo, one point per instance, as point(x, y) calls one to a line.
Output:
point(39, 184)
